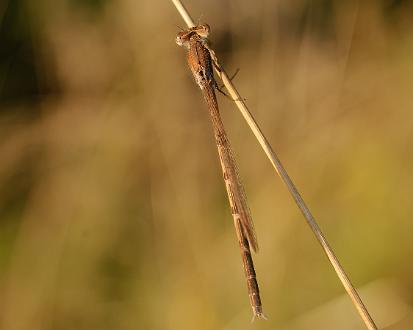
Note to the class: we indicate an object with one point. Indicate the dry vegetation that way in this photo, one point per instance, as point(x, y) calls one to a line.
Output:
point(113, 214)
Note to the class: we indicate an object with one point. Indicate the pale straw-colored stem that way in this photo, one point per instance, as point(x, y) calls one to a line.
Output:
point(184, 13)
point(282, 173)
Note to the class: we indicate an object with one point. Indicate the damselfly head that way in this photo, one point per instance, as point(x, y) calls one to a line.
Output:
point(182, 39)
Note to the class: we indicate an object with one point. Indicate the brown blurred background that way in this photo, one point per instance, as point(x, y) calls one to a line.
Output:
point(113, 213)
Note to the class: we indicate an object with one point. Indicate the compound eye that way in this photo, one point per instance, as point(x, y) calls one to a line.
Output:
point(178, 40)
point(204, 30)
point(182, 41)
point(207, 28)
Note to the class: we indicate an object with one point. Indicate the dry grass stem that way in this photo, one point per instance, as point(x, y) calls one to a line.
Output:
point(282, 173)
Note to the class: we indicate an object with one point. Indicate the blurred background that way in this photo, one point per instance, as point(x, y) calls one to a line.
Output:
point(113, 212)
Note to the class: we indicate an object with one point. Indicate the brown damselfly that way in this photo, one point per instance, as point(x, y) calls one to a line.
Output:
point(201, 65)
